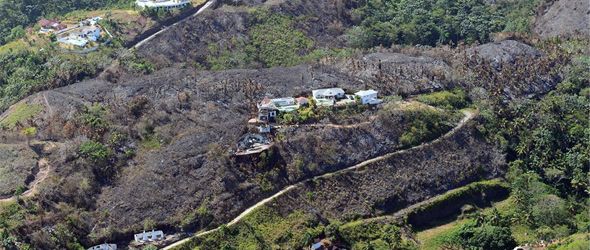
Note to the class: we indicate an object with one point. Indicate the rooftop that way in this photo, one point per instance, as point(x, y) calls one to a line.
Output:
point(366, 92)
point(328, 92)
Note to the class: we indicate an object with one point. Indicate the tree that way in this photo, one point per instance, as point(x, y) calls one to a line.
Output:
point(550, 210)
point(392, 236)
point(485, 236)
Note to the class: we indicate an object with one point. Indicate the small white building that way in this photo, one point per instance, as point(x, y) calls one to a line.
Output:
point(104, 247)
point(164, 4)
point(149, 236)
point(368, 97)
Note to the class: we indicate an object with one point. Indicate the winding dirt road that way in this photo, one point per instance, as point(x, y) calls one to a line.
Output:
point(44, 168)
point(469, 115)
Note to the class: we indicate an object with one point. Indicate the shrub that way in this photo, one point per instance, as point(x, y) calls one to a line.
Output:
point(427, 22)
point(275, 41)
point(425, 124)
point(485, 237)
point(95, 151)
point(445, 99)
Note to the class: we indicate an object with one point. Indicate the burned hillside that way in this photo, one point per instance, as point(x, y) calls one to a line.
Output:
point(405, 178)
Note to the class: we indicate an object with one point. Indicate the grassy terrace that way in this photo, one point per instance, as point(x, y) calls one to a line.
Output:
point(20, 113)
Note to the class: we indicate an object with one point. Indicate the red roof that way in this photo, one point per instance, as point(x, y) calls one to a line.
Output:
point(45, 23)
point(266, 100)
point(302, 100)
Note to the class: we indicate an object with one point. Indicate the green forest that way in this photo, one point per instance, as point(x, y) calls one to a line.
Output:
point(432, 22)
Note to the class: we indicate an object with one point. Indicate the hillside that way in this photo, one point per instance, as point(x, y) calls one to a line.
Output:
point(150, 138)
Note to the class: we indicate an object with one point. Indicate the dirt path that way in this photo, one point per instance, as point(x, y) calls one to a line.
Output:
point(468, 116)
point(147, 39)
point(44, 169)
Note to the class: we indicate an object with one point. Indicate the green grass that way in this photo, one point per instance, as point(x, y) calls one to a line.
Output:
point(264, 228)
point(455, 99)
point(433, 238)
point(20, 113)
point(150, 143)
point(574, 242)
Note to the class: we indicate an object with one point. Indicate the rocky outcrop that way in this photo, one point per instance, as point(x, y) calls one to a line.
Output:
point(504, 52)
point(564, 18)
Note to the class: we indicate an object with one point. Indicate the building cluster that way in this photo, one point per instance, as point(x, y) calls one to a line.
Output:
point(87, 31)
point(269, 109)
point(140, 239)
point(163, 4)
point(50, 26)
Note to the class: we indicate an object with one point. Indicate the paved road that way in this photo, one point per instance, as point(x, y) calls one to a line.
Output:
point(468, 116)
point(206, 6)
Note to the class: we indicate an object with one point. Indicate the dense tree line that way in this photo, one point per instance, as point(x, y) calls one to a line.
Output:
point(22, 13)
point(24, 71)
point(432, 22)
point(547, 141)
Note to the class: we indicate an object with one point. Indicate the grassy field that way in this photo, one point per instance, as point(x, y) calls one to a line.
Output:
point(262, 229)
point(20, 113)
point(431, 239)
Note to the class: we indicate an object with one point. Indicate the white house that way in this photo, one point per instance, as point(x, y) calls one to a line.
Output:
point(104, 247)
point(285, 101)
point(267, 110)
point(165, 4)
point(327, 97)
point(368, 97)
point(91, 33)
point(149, 236)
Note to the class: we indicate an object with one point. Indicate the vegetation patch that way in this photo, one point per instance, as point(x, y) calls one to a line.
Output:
point(272, 41)
point(19, 114)
point(455, 99)
point(262, 229)
point(425, 123)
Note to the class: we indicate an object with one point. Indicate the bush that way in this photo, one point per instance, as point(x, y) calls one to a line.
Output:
point(445, 99)
point(273, 41)
point(425, 124)
point(550, 210)
point(95, 151)
point(486, 237)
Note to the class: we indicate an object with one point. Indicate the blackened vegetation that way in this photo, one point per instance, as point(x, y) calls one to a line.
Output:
point(403, 179)
point(158, 146)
